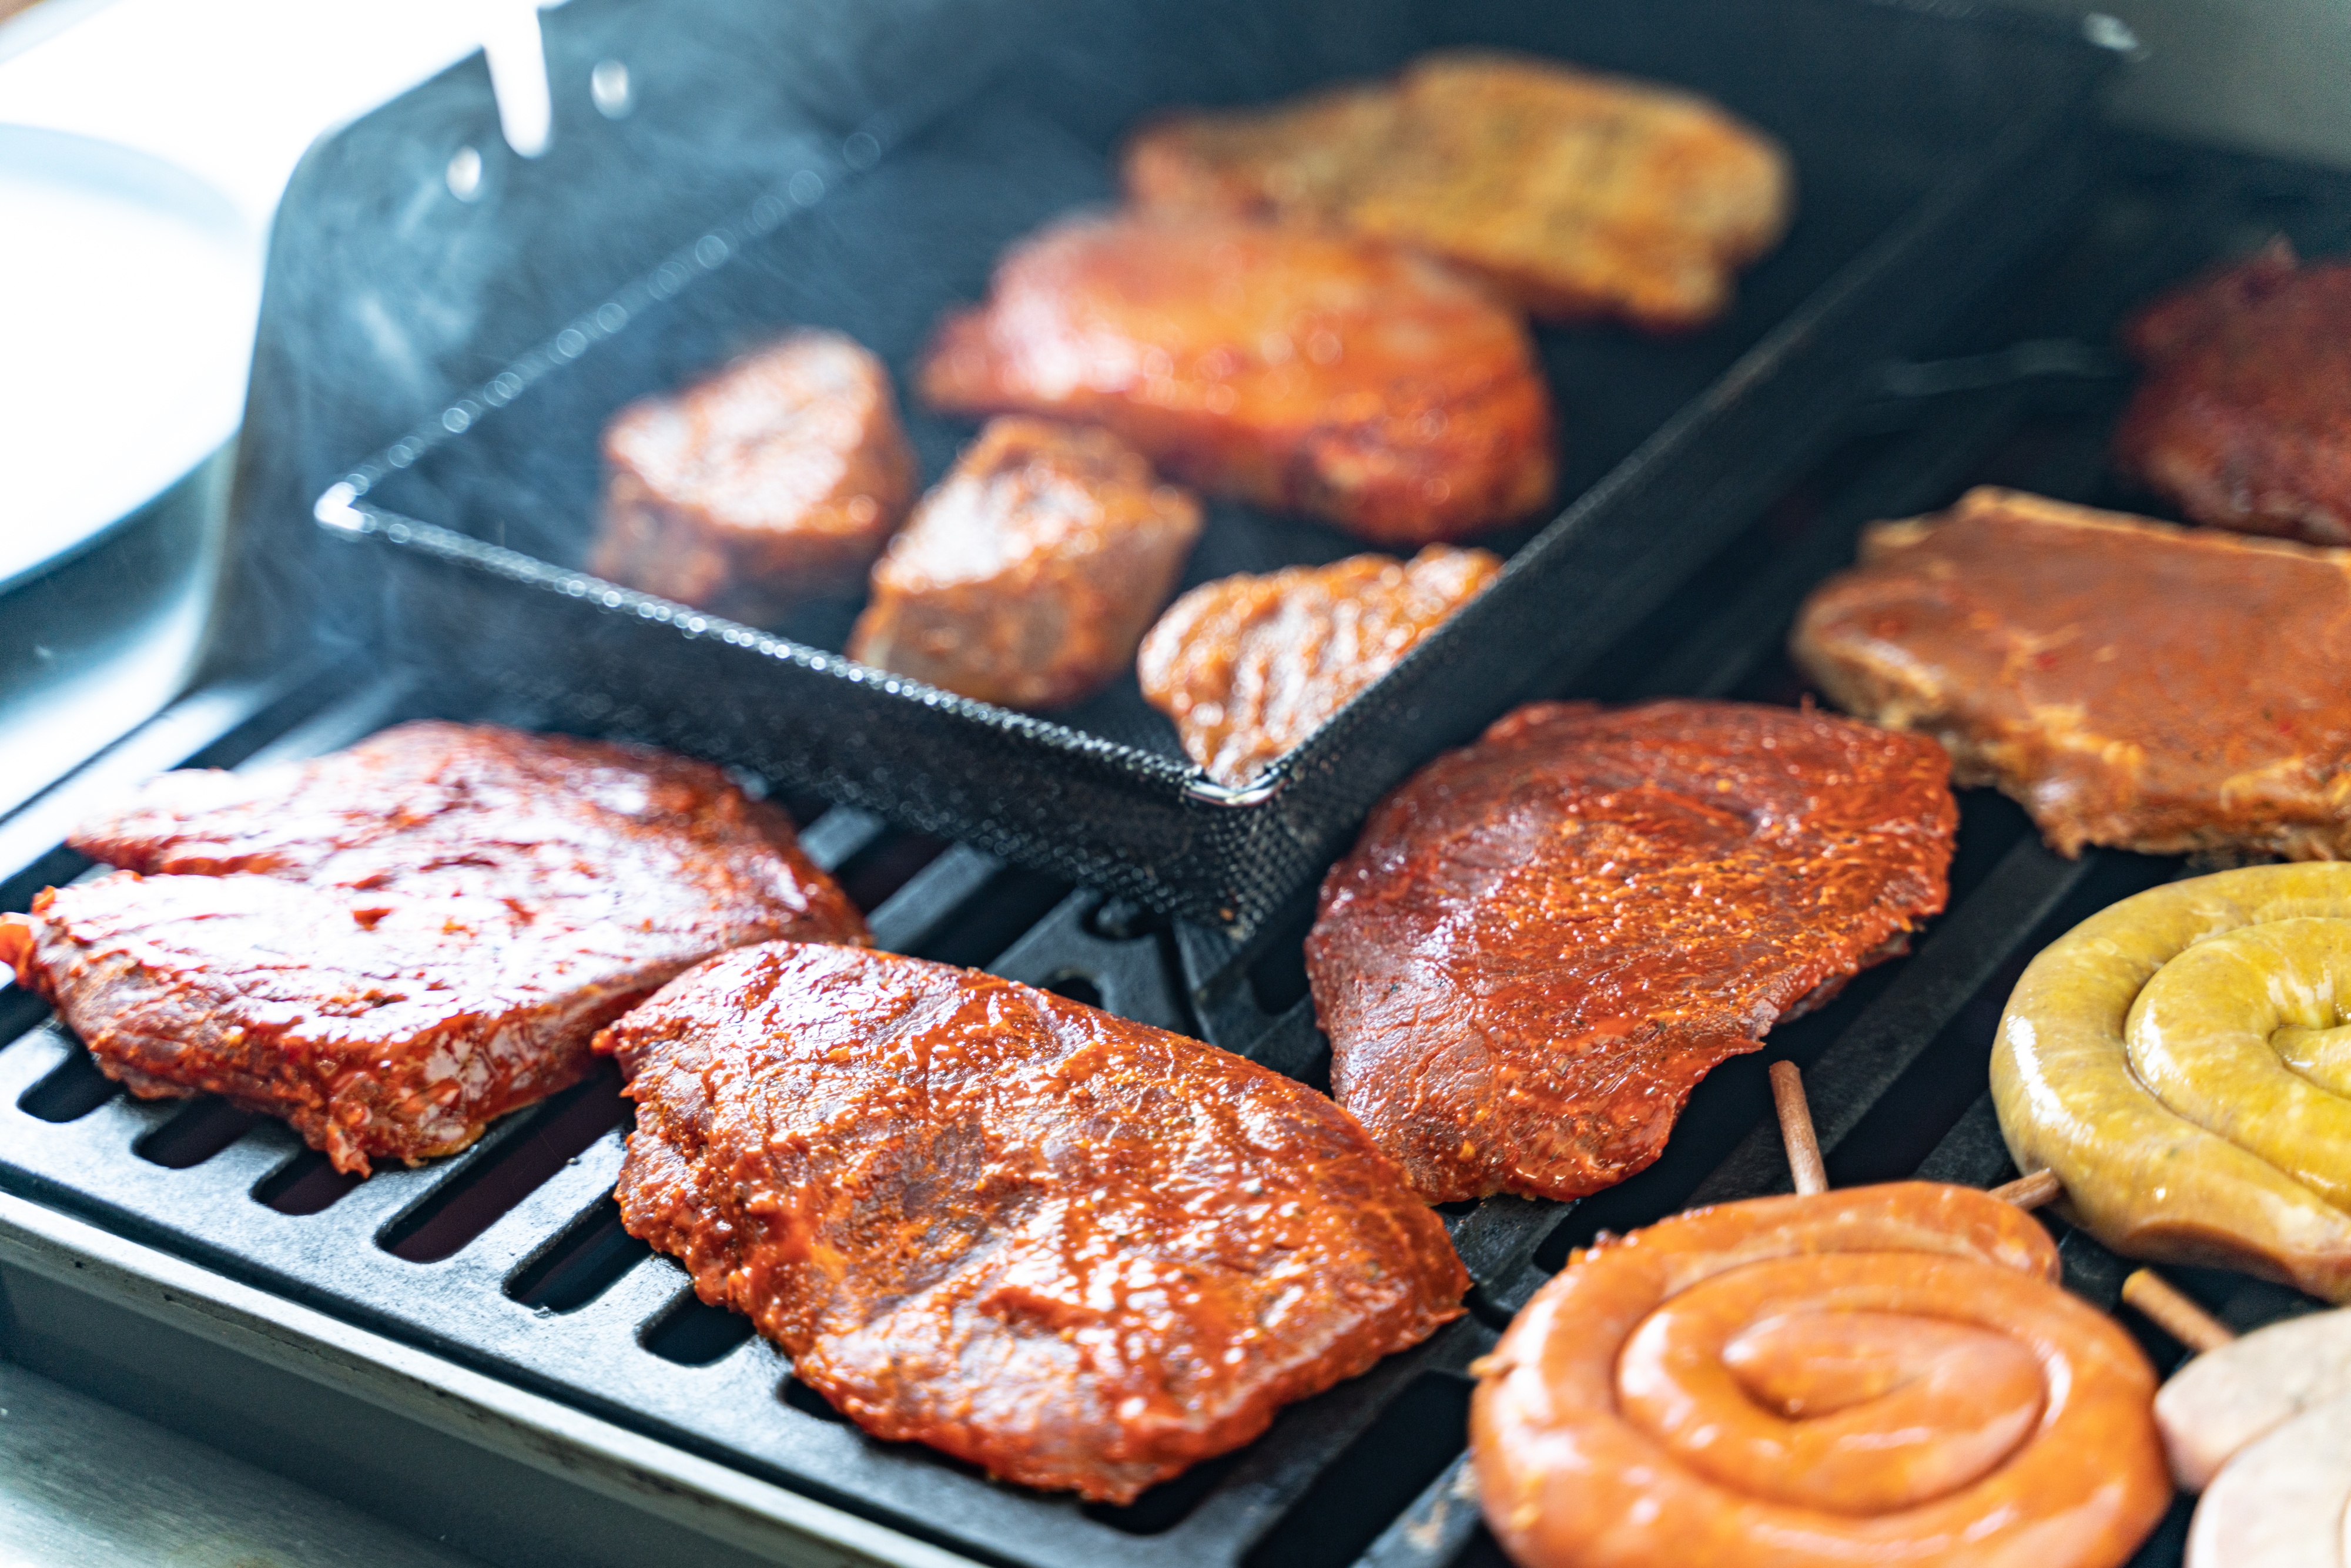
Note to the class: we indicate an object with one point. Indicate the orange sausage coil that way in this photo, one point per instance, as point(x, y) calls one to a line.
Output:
point(1886, 1375)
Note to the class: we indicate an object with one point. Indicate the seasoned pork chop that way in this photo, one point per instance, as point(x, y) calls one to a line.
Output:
point(1078, 1252)
point(392, 945)
point(1028, 576)
point(774, 481)
point(1309, 373)
point(2244, 419)
point(1542, 942)
point(2130, 683)
point(1249, 666)
point(1577, 195)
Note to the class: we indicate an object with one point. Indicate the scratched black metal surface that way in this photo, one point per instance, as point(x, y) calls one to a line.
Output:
point(508, 1257)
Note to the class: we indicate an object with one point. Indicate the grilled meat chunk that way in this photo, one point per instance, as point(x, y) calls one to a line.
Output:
point(775, 481)
point(2130, 683)
point(1028, 576)
point(1304, 372)
point(1249, 666)
point(1574, 193)
point(1078, 1252)
point(392, 945)
point(2244, 419)
point(1544, 941)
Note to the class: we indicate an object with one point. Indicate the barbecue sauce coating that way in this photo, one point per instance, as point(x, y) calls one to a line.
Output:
point(1028, 576)
point(1544, 941)
point(773, 481)
point(2129, 682)
point(2244, 419)
point(1249, 666)
point(393, 944)
point(1078, 1252)
point(1303, 371)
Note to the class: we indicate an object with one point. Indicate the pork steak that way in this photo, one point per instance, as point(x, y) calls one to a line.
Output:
point(1078, 1252)
point(394, 944)
point(1544, 941)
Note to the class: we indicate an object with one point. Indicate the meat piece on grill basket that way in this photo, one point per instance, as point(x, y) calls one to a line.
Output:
point(775, 481)
point(390, 946)
point(1575, 194)
point(2244, 419)
point(1080, 1253)
point(2130, 683)
point(1249, 666)
point(1027, 576)
point(1312, 372)
point(1544, 941)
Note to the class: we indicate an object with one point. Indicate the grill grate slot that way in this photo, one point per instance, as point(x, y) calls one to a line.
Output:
point(70, 1090)
point(196, 1133)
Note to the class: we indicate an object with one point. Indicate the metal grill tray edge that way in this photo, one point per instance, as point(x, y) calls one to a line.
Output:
point(1934, 143)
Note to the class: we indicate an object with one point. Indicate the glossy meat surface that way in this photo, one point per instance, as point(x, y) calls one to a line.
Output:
point(2177, 1141)
point(1576, 194)
point(1027, 576)
point(2244, 419)
point(1080, 1253)
point(2130, 683)
point(390, 946)
point(1886, 1374)
point(1544, 941)
point(1303, 371)
point(775, 480)
point(1249, 666)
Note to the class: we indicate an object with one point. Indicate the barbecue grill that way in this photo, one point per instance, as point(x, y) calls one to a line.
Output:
point(475, 1349)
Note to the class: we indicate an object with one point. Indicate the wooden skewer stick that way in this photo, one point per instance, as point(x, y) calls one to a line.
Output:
point(2174, 1313)
point(2029, 1191)
point(1796, 1129)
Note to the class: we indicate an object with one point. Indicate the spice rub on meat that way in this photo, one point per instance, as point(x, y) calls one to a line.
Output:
point(390, 946)
point(2130, 683)
point(1249, 666)
point(2244, 419)
point(1028, 576)
point(774, 481)
point(1544, 941)
point(1080, 1253)
point(1576, 194)
point(1311, 372)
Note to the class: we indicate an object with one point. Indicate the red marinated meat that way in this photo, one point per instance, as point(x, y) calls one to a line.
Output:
point(390, 946)
point(1544, 941)
point(1078, 1252)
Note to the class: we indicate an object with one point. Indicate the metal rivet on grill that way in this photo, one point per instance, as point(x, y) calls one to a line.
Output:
point(710, 250)
point(861, 151)
point(465, 173)
point(608, 85)
point(807, 187)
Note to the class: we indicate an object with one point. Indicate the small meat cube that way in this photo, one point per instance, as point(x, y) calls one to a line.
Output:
point(1249, 666)
point(1306, 371)
point(1027, 576)
point(775, 481)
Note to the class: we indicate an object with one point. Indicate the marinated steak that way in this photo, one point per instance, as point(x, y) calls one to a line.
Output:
point(1249, 666)
point(392, 945)
point(774, 481)
point(2130, 683)
point(1027, 576)
point(1305, 372)
point(1078, 1252)
point(2244, 419)
point(1544, 941)
point(1576, 194)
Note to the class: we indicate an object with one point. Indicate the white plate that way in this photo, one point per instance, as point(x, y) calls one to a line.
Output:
point(129, 289)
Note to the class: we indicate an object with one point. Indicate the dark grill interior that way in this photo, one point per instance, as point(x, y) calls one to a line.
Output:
point(511, 1257)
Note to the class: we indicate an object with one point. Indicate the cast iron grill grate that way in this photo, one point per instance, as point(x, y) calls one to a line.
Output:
point(509, 1258)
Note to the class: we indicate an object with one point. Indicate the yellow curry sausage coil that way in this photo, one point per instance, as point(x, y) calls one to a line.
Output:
point(2183, 1061)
